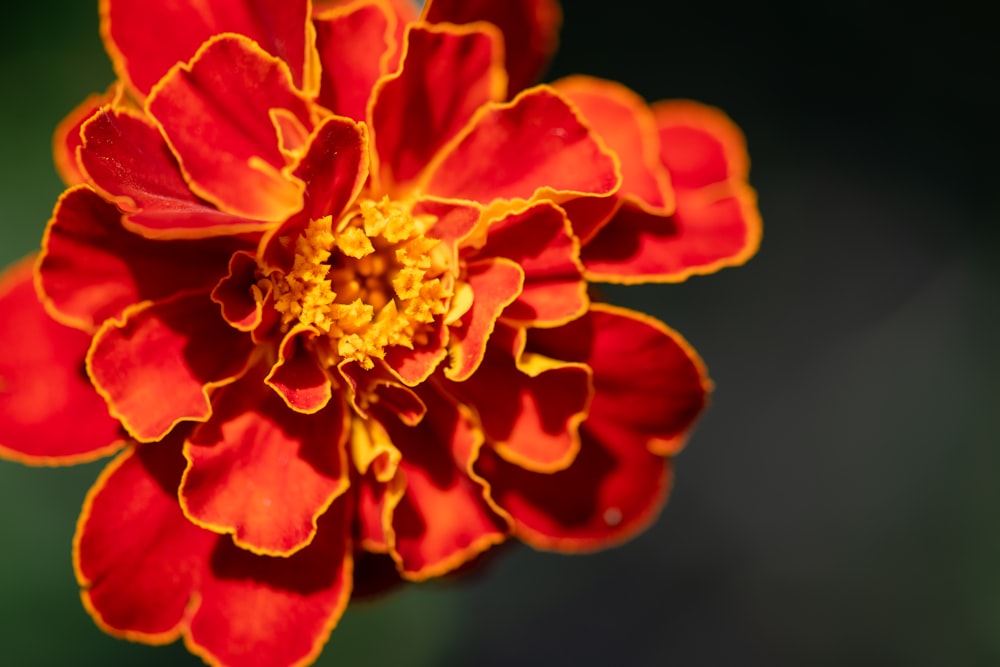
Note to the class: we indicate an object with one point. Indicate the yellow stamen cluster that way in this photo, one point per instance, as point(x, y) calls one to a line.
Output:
point(372, 281)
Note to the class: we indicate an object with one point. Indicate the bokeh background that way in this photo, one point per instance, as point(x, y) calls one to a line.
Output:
point(840, 501)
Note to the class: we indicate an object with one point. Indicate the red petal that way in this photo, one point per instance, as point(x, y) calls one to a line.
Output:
point(716, 223)
point(380, 386)
point(650, 384)
point(151, 575)
point(49, 412)
point(91, 268)
point(442, 520)
point(530, 30)
point(356, 46)
point(156, 367)
point(297, 376)
point(146, 39)
point(216, 114)
point(335, 166)
point(539, 239)
point(530, 407)
point(536, 145)
point(626, 125)
point(128, 161)
point(447, 73)
point(263, 472)
point(649, 388)
point(413, 366)
point(234, 293)
point(138, 560)
point(495, 284)
point(612, 491)
point(66, 139)
point(371, 512)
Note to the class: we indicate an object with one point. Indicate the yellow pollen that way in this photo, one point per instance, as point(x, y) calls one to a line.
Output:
point(370, 281)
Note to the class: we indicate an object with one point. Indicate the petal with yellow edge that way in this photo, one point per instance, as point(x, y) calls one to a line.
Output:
point(356, 46)
point(126, 159)
point(626, 124)
point(149, 574)
point(447, 73)
point(530, 407)
point(534, 145)
point(650, 387)
point(145, 39)
point(217, 114)
point(334, 166)
point(442, 520)
point(494, 284)
point(91, 268)
point(262, 472)
point(156, 366)
point(49, 412)
point(67, 138)
point(530, 30)
point(540, 240)
point(715, 223)
point(297, 376)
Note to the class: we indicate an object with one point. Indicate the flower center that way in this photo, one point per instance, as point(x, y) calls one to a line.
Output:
point(368, 282)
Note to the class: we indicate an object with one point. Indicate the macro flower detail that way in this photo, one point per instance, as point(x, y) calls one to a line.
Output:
point(322, 274)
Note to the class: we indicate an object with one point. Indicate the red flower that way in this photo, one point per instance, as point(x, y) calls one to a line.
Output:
point(326, 268)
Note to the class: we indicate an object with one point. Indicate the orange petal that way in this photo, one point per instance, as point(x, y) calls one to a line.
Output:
point(156, 366)
point(530, 30)
point(413, 366)
point(650, 386)
point(533, 146)
point(356, 45)
point(127, 161)
point(447, 73)
point(539, 239)
point(495, 284)
point(148, 574)
point(92, 268)
point(146, 39)
point(49, 412)
point(215, 113)
point(66, 139)
point(263, 472)
point(235, 295)
point(442, 520)
point(530, 407)
point(297, 376)
point(626, 124)
point(716, 222)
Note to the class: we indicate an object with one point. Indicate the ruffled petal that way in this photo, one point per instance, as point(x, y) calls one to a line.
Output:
point(716, 222)
point(155, 367)
point(626, 124)
point(148, 574)
point(92, 268)
point(49, 412)
point(530, 407)
point(235, 293)
point(263, 472)
point(216, 114)
point(356, 45)
point(146, 39)
point(447, 73)
point(67, 138)
point(297, 376)
point(442, 520)
point(650, 387)
point(540, 240)
point(534, 146)
point(495, 284)
point(530, 30)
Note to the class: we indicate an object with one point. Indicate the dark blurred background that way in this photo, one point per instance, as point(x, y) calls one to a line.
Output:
point(840, 501)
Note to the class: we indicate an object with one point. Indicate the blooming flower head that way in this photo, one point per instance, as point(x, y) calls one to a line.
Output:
point(325, 267)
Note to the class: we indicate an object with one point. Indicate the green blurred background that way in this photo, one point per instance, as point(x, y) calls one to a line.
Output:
point(838, 504)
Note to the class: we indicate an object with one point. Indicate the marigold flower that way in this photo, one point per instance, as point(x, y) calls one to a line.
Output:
point(325, 268)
